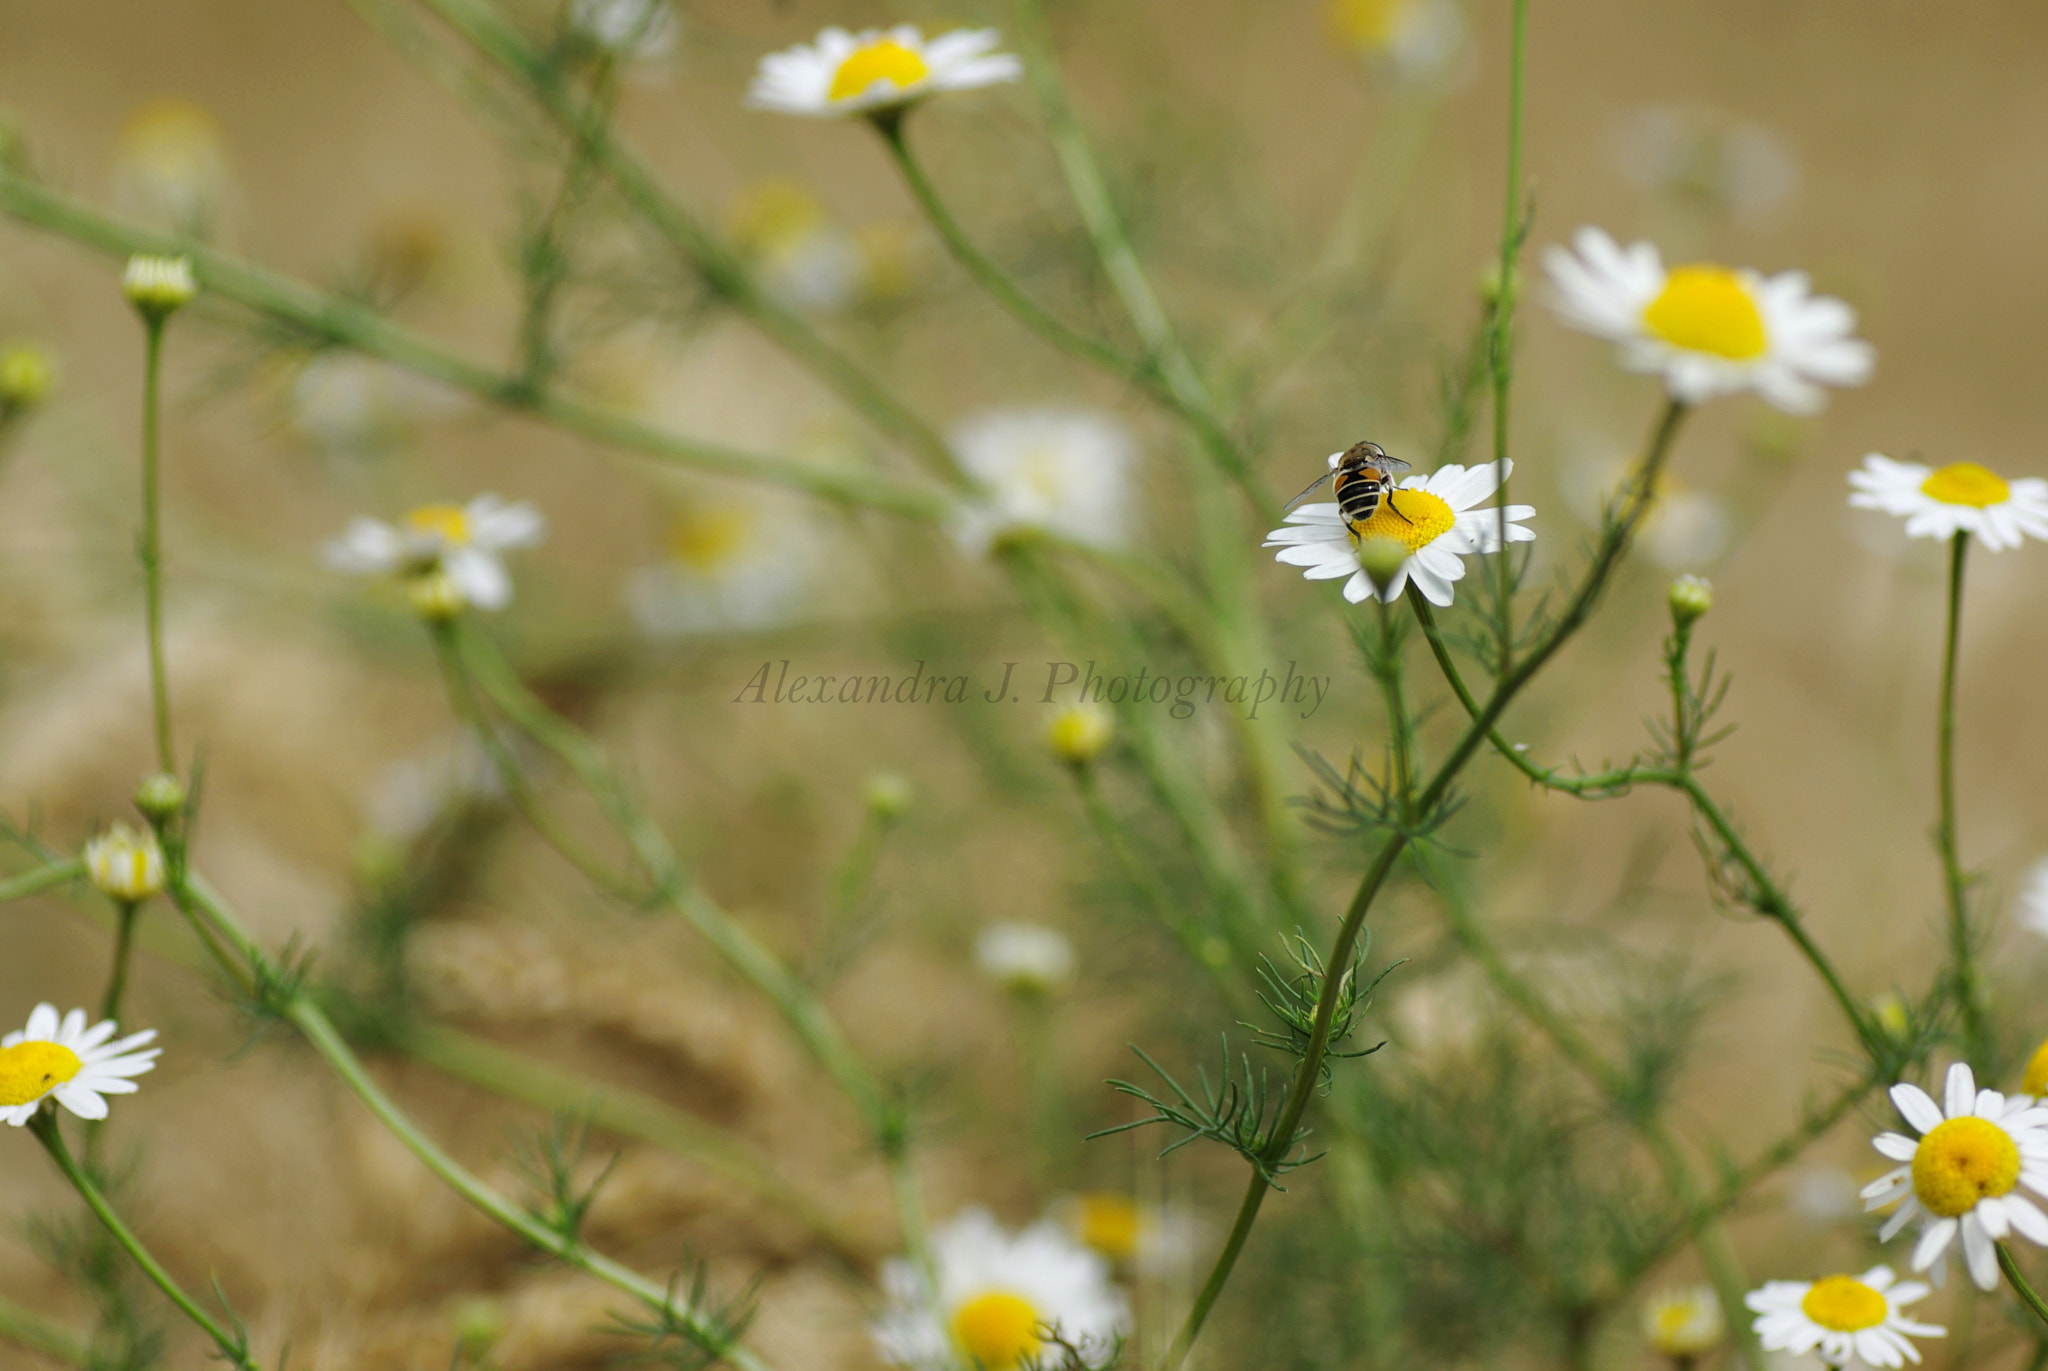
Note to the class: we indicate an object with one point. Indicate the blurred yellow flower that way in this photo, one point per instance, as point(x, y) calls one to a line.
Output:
point(171, 166)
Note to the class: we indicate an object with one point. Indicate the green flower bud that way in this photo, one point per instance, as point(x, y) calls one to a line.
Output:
point(1690, 596)
point(159, 797)
point(1382, 560)
point(889, 794)
point(158, 286)
point(25, 376)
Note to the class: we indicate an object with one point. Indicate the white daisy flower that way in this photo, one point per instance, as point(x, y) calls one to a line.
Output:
point(70, 1062)
point(1964, 1172)
point(1064, 471)
point(861, 73)
point(2034, 900)
point(1685, 1323)
point(731, 564)
point(171, 167)
point(1144, 1238)
point(1028, 958)
point(998, 1297)
point(1434, 516)
point(1961, 497)
point(638, 30)
point(460, 542)
point(1709, 330)
point(125, 864)
point(1417, 39)
point(1702, 158)
point(1848, 1320)
point(800, 253)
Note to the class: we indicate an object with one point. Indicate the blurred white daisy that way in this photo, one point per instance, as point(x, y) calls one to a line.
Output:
point(1435, 517)
point(1707, 159)
point(1964, 1172)
point(351, 404)
point(171, 167)
point(1848, 1320)
point(860, 73)
point(1961, 497)
point(2034, 900)
point(1064, 471)
point(1684, 1323)
point(460, 543)
point(64, 1059)
point(637, 30)
point(409, 795)
point(1709, 330)
point(1027, 958)
point(1417, 39)
point(125, 864)
point(800, 255)
point(997, 1299)
point(729, 564)
point(1138, 1237)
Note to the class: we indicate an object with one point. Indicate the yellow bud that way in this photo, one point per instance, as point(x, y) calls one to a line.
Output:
point(1079, 733)
point(25, 376)
point(434, 595)
point(1690, 597)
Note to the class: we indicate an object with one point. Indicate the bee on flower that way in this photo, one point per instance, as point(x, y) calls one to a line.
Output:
point(1961, 497)
point(1709, 330)
point(1846, 1320)
point(877, 71)
point(448, 550)
point(63, 1060)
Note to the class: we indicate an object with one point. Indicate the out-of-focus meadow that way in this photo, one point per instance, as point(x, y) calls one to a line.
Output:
point(1320, 223)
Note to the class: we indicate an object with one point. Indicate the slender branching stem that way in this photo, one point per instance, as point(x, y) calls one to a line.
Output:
point(149, 548)
point(1500, 344)
point(124, 943)
point(37, 881)
point(232, 1348)
point(2019, 1284)
point(1969, 989)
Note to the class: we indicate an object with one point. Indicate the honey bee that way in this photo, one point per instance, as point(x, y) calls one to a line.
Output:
point(1363, 476)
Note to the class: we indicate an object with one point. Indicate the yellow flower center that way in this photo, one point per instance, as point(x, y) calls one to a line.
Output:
point(2036, 1079)
point(1966, 483)
point(1844, 1304)
point(1413, 517)
point(883, 60)
point(705, 539)
point(1961, 1162)
point(1109, 1224)
point(32, 1070)
point(1708, 309)
point(997, 1330)
point(1369, 24)
point(446, 522)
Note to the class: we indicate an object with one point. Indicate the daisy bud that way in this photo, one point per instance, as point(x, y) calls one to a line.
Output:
point(1078, 734)
point(889, 794)
point(158, 286)
point(1382, 559)
point(1690, 597)
point(2036, 1080)
point(1684, 1324)
point(1025, 959)
point(160, 797)
point(125, 865)
point(435, 596)
point(24, 379)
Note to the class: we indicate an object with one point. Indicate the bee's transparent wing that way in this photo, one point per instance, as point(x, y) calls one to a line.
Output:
point(1307, 491)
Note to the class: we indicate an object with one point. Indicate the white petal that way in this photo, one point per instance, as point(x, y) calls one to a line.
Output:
point(1897, 1146)
point(1918, 1108)
point(1980, 1253)
point(1962, 1090)
point(1932, 1242)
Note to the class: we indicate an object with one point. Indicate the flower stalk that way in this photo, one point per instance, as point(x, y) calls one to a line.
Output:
point(1969, 989)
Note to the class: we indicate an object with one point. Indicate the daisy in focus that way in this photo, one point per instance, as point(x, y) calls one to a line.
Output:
point(65, 1060)
point(998, 1298)
point(1964, 1172)
point(877, 70)
point(1961, 497)
point(452, 547)
point(1847, 1320)
point(1066, 472)
point(1709, 330)
point(1436, 517)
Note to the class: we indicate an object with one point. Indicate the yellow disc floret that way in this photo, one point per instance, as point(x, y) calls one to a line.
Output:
point(883, 60)
point(449, 523)
point(1414, 517)
point(1711, 310)
point(1966, 483)
point(704, 538)
point(1961, 1162)
point(2036, 1079)
point(32, 1070)
point(1110, 1224)
point(1844, 1304)
point(1370, 25)
point(997, 1330)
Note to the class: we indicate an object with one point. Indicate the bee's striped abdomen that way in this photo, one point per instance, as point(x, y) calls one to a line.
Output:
point(1358, 496)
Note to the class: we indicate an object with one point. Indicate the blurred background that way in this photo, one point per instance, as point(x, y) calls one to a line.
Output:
point(1318, 193)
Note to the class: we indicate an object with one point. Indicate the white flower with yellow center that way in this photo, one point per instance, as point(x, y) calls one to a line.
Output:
point(1030, 959)
point(125, 865)
point(171, 166)
point(860, 73)
point(1138, 1237)
point(1709, 330)
point(1965, 1171)
point(460, 543)
point(65, 1060)
point(730, 565)
point(1684, 1324)
point(1066, 472)
point(1961, 497)
point(1416, 38)
point(1436, 517)
point(1848, 1320)
point(800, 253)
point(997, 1299)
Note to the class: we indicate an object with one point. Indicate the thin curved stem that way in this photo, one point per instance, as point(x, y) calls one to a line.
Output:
point(1962, 953)
point(124, 943)
point(150, 547)
point(42, 878)
point(2019, 1284)
point(1500, 346)
point(232, 1349)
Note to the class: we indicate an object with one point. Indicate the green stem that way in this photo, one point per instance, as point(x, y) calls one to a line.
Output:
point(1969, 989)
point(150, 548)
point(232, 1349)
point(1500, 351)
point(2019, 1284)
point(124, 941)
point(42, 878)
point(26, 1328)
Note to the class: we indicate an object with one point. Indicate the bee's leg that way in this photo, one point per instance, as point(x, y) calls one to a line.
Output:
point(1397, 509)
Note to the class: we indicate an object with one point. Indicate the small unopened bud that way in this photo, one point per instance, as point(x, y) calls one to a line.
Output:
point(157, 286)
point(125, 864)
point(25, 376)
point(1691, 596)
point(1382, 559)
point(1078, 734)
point(889, 794)
point(160, 797)
point(1890, 1013)
point(1684, 1324)
point(435, 596)
point(1025, 959)
point(479, 1322)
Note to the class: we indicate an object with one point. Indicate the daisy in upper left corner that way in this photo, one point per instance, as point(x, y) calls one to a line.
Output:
point(1436, 517)
point(1961, 497)
point(1709, 330)
point(65, 1060)
point(845, 73)
point(452, 549)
